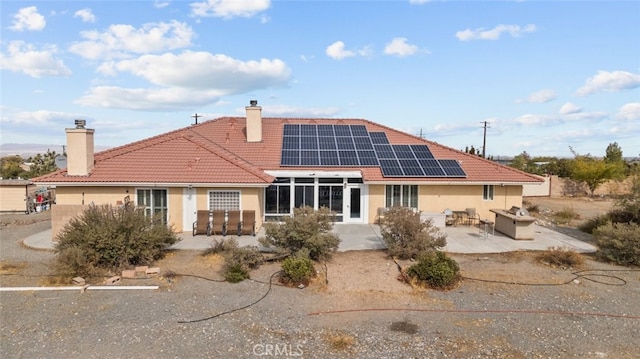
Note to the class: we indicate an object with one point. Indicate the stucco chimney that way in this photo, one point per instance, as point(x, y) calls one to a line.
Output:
point(254, 122)
point(79, 149)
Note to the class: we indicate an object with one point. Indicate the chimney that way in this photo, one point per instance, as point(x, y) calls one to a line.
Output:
point(79, 149)
point(254, 122)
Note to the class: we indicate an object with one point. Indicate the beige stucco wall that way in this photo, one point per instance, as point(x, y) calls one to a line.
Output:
point(440, 197)
point(12, 198)
point(250, 199)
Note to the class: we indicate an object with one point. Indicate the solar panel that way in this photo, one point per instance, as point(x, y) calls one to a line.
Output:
point(391, 168)
point(290, 158)
point(325, 130)
point(353, 145)
point(403, 151)
point(385, 151)
point(431, 168)
point(309, 158)
point(411, 168)
point(368, 158)
point(329, 158)
point(291, 130)
point(359, 130)
point(452, 168)
point(421, 151)
point(345, 143)
point(363, 143)
point(327, 143)
point(379, 138)
point(290, 143)
point(342, 130)
point(348, 158)
point(309, 143)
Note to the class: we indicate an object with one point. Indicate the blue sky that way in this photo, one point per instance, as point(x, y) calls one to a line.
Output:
point(545, 75)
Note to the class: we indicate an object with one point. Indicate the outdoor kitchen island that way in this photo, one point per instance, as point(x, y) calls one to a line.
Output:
point(515, 223)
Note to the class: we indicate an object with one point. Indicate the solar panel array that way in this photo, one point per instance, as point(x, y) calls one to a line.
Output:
point(353, 146)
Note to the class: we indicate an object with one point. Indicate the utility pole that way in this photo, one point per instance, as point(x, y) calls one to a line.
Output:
point(484, 139)
point(196, 116)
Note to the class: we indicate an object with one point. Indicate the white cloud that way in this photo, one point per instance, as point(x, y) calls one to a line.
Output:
point(160, 4)
point(25, 58)
point(629, 112)
point(86, 15)
point(569, 108)
point(28, 18)
point(228, 9)
point(495, 33)
point(185, 80)
point(553, 119)
point(399, 47)
point(609, 81)
point(337, 51)
point(121, 40)
point(542, 96)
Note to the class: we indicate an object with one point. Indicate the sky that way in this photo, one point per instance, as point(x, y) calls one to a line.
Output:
point(546, 77)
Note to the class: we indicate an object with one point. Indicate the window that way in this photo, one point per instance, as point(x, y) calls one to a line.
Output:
point(401, 195)
point(154, 202)
point(487, 192)
point(228, 200)
point(278, 197)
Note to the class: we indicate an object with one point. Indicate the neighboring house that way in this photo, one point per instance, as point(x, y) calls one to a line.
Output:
point(14, 194)
point(273, 165)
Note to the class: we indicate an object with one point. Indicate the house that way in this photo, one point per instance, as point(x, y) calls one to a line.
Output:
point(273, 165)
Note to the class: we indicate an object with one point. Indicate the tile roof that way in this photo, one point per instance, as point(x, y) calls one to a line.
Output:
point(216, 152)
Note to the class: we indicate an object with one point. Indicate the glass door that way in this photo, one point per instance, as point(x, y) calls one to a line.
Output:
point(353, 205)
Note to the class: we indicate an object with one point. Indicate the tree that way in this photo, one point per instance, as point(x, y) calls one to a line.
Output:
point(613, 156)
point(42, 164)
point(524, 162)
point(592, 171)
point(11, 167)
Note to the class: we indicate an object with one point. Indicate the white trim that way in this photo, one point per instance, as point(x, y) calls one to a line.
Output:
point(314, 173)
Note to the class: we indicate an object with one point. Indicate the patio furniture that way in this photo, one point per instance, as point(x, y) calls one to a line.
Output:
point(460, 217)
point(233, 222)
point(248, 224)
point(472, 216)
point(202, 225)
point(449, 217)
point(484, 225)
point(218, 223)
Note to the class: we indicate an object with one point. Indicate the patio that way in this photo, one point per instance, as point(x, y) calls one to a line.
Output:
point(460, 239)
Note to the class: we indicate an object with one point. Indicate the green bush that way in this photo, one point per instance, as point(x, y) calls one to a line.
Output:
point(307, 229)
point(436, 270)
point(238, 261)
point(406, 236)
point(619, 243)
point(298, 269)
point(235, 273)
point(109, 238)
point(592, 223)
point(561, 257)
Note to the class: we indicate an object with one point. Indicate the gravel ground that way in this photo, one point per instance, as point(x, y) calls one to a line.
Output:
point(363, 311)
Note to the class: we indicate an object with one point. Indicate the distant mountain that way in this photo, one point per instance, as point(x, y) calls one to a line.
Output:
point(26, 150)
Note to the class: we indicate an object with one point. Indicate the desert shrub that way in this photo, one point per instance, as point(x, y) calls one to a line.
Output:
point(238, 261)
point(235, 273)
point(307, 229)
point(561, 257)
point(298, 268)
point(109, 238)
point(406, 236)
point(566, 215)
point(436, 270)
point(532, 208)
point(220, 246)
point(592, 223)
point(619, 243)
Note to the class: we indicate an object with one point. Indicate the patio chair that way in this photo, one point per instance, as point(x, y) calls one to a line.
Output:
point(449, 217)
point(218, 225)
point(472, 216)
point(233, 223)
point(202, 225)
point(248, 224)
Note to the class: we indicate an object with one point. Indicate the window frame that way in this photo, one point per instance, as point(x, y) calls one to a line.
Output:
point(488, 192)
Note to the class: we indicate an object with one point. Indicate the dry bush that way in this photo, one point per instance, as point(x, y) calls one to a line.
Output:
point(566, 215)
point(561, 257)
point(406, 236)
point(341, 341)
